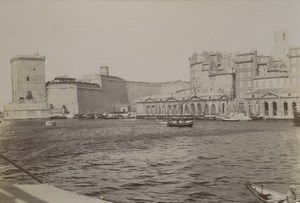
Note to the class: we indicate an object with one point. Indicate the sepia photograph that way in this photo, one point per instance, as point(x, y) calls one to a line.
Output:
point(150, 101)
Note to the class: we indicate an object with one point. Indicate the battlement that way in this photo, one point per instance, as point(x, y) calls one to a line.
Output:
point(28, 57)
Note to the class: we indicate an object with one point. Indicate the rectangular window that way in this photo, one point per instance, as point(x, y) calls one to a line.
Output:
point(27, 78)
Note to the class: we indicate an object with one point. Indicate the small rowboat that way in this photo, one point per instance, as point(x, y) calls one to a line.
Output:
point(265, 195)
point(180, 123)
point(230, 119)
point(50, 123)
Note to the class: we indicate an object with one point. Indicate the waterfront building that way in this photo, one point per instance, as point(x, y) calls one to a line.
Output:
point(28, 88)
point(246, 64)
point(68, 95)
point(182, 103)
point(276, 91)
point(238, 82)
point(211, 90)
point(212, 76)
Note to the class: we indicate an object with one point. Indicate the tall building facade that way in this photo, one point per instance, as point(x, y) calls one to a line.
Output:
point(276, 91)
point(28, 88)
point(244, 72)
point(281, 44)
point(239, 82)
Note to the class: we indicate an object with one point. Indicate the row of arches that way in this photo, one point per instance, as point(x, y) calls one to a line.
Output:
point(275, 108)
point(191, 109)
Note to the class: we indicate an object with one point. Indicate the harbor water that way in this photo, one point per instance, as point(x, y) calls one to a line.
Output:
point(144, 161)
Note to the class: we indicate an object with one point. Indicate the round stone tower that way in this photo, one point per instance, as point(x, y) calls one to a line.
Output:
point(104, 70)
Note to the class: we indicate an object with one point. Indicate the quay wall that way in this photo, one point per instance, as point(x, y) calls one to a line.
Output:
point(14, 111)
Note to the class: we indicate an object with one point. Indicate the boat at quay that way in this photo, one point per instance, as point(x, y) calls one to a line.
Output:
point(144, 161)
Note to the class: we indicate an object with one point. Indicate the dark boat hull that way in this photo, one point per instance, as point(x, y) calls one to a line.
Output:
point(256, 117)
point(180, 124)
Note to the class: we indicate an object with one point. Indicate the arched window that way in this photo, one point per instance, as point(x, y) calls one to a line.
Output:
point(169, 109)
point(294, 106)
point(193, 109)
point(274, 108)
point(175, 109)
point(285, 108)
point(199, 109)
point(147, 109)
point(206, 109)
point(186, 109)
point(223, 108)
point(266, 105)
point(213, 109)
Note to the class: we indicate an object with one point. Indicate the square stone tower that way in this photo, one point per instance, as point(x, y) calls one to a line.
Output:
point(281, 44)
point(28, 79)
point(28, 88)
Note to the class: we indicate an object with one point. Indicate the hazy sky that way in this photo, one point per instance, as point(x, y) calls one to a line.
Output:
point(138, 40)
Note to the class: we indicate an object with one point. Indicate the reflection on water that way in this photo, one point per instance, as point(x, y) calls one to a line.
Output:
point(144, 161)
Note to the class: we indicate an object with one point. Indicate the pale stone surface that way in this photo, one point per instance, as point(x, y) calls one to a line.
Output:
point(41, 193)
point(28, 88)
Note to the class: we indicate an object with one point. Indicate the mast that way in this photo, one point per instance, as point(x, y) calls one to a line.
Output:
point(181, 105)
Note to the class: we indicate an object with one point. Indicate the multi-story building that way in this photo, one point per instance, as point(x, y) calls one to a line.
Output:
point(258, 84)
point(210, 93)
point(28, 88)
point(276, 91)
point(244, 72)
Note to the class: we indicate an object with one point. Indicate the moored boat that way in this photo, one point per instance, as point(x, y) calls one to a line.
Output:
point(161, 121)
point(242, 117)
point(50, 123)
point(256, 117)
point(58, 117)
point(180, 123)
point(230, 119)
point(265, 195)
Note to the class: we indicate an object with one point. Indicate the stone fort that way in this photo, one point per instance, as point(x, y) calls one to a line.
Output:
point(32, 97)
